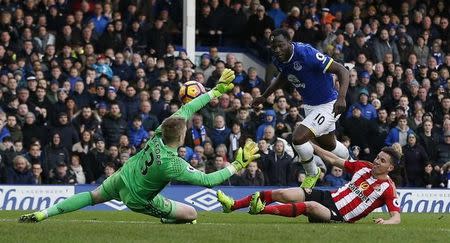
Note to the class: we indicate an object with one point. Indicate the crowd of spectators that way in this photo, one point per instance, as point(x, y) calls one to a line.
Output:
point(84, 84)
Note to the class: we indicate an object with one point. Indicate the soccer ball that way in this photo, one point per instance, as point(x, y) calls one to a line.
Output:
point(190, 90)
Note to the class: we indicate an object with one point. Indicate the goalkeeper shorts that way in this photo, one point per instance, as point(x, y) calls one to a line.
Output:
point(114, 188)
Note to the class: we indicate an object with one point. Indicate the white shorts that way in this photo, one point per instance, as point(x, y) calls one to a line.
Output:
point(320, 118)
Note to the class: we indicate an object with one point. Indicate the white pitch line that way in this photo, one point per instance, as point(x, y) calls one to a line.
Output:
point(105, 221)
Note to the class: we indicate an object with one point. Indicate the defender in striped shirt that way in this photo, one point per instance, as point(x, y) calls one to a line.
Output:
point(369, 188)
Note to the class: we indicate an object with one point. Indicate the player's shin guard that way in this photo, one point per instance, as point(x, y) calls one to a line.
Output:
point(305, 152)
point(341, 151)
point(286, 210)
point(71, 204)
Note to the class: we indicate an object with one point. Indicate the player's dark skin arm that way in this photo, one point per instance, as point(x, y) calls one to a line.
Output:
point(343, 76)
point(276, 83)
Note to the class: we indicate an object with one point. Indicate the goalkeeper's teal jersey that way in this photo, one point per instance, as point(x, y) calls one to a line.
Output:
point(151, 169)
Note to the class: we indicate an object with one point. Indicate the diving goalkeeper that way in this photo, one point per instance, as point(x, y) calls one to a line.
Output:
point(138, 183)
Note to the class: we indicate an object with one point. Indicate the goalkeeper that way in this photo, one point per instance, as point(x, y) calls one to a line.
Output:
point(138, 183)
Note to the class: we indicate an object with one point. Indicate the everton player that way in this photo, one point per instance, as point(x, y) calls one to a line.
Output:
point(369, 188)
point(310, 72)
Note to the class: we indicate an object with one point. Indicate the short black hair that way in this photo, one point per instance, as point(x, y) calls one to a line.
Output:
point(395, 156)
point(281, 32)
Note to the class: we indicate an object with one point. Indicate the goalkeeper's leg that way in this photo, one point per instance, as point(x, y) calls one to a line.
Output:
point(105, 192)
point(70, 204)
point(183, 214)
point(169, 211)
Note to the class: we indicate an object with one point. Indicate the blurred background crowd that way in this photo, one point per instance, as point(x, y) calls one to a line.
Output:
point(84, 84)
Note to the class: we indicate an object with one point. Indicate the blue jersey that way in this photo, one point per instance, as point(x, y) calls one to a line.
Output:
point(306, 70)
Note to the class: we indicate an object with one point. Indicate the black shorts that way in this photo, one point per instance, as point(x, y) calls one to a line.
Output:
point(324, 198)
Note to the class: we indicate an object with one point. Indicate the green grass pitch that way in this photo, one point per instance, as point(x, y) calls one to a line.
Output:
point(95, 226)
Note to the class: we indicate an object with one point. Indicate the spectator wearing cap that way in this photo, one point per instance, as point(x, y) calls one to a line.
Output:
point(112, 97)
point(61, 175)
point(356, 47)
point(364, 81)
point(234, 29)
point(69, 135)
point(357, 128)
point(113, 125)
point(415, 158)
point(269, 120)
point(367, 109)
point(102, 68)
point(399, 133)
point(205, 66)
point(293, 19)
point(136, 132)
point(257, 23)
point(276, 13)
point(20, 172)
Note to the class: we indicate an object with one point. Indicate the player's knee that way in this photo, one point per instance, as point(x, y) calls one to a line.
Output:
point(328, 146)
point(282, 195)
point(298, 139)
point(305, 151)
point(96, 197)
point(191, 214)
point(312, 206)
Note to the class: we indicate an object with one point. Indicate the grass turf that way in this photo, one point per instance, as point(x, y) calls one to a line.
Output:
point(96, 226)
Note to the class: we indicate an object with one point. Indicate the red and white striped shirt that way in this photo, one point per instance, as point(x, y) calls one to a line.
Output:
point(364, 193)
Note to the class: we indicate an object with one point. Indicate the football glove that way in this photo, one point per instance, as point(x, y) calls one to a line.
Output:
point(246, 155)
point(225, 83)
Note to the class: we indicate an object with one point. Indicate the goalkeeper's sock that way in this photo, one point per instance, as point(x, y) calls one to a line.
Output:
point(71, 204)
point(266, 196)
point(286, 210)
point(242, 203)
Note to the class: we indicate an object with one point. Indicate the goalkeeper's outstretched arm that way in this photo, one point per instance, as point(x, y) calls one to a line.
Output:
point(223, 86)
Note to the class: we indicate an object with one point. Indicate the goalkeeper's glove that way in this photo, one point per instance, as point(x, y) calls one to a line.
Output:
point(246, 155)
point(225, 83)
